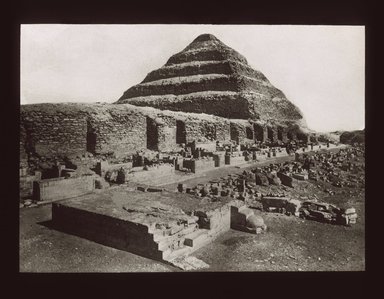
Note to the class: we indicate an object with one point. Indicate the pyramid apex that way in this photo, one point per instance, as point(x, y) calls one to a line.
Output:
point(205, 37)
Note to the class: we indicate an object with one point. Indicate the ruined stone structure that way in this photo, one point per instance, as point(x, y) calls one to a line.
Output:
point(205, 93)
point(210, 77)
point(205, 108)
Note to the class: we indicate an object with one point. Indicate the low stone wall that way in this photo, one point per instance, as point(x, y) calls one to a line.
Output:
point(107, 230)
point(103, 166)
point(61, 188)
point(138, 174)
point(109, 227)
point(199, 165)
point(237, 160)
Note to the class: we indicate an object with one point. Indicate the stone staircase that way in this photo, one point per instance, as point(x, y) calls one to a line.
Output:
point(175, 244)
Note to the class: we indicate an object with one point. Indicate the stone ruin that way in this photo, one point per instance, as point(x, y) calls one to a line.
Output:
point(205, 93)
point(210, 77)
point(205, 108)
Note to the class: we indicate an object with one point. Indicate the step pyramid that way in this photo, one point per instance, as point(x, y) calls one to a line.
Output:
point(210, 77)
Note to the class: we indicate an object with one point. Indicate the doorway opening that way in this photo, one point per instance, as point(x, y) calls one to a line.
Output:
point(249, 133)
point(152, 141)
point(180, 132)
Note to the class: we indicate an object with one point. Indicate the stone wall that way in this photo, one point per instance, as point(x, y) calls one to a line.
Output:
point(103, 166)
point(224, 104)
point(272, 133)
point(139, 175)
point(199, 165)
point(49, 130)
point(166, 134)
point(236, 160)
point(223, 131)
point(114, 232)
point(239, 132)
point(61, 188)
point(197, 130)
point(79, 132)
point(53, 131)
point(120, 132)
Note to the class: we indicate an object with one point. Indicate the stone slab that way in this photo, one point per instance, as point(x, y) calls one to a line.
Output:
point(147, 223)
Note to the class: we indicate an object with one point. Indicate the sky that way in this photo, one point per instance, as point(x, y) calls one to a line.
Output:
point(320, 69)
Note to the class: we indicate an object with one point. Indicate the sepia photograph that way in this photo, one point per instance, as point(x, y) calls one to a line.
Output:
point(191, 148)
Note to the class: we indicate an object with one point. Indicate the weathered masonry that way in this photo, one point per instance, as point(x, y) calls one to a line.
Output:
point(207, 93)
point(61, 188)
point(131, 228)
point(49, 130)
point(210, 77)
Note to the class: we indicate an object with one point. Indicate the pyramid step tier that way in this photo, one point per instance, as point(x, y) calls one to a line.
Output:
point(198, 83)
point(192, 68)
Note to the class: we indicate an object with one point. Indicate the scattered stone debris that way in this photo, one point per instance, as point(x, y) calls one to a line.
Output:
point(189, 263)
point(325, 212)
